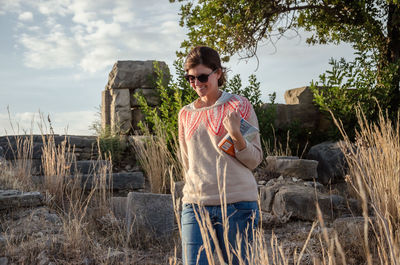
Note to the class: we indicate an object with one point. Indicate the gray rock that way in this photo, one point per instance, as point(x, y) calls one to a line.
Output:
point(267, 195)
point(89, 166)
point(120, 181)
point(118, 206)
point(14, 198)
point(53, 218)
point(331, 162)
point(130, 181)
point(151, 214)
point(301, 95)
point(3, 243)
point(290, 166)
point(314, 184)
point(1, 152)
point(299, 202)
point(78, 141)
point(135, 74)
point(120, 110)
point(3, 261)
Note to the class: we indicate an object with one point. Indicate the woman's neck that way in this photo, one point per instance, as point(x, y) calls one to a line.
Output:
point(208, 101)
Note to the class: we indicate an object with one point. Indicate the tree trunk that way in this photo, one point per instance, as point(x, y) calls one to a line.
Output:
point(393, 55)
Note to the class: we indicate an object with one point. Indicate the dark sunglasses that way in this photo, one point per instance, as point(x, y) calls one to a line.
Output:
point(203, 78)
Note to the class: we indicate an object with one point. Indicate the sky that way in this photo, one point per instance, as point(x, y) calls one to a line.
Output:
point(55, 57)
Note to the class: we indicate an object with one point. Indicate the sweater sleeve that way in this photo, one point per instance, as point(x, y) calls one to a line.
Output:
point(182, 143)
point(252, 155)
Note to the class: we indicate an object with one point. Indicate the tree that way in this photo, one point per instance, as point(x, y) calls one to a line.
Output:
point(239, 26)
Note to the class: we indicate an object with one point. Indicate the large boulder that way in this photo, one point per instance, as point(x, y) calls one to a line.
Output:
point(331, 161)
point(150, 215)
point(288, 199)
point(292, 166)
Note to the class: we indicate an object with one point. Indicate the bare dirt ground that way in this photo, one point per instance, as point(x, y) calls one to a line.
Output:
point(38, 236)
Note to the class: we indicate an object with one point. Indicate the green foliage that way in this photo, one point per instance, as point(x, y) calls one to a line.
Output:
point(173, 95)
point(351, 84)
point(110, 146)
point(372, 27)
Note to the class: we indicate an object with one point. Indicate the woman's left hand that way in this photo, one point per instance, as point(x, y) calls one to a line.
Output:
point(232, 125)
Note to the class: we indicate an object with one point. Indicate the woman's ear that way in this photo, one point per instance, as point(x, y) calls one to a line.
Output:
point(219, 73)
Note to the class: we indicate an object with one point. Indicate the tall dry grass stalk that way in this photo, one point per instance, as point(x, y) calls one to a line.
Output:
point(374, 173)
point(156, 159)
point(17, 174)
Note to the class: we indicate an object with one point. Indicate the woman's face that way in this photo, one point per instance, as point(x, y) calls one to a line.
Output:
point(210, 86)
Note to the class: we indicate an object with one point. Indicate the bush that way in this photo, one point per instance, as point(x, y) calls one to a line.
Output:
point(349, 84)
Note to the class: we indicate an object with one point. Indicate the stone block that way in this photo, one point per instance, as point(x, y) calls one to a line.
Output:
point(306, 115)
point(89, 166)
point(128, 181)
point(135, 74)
point(121, 116)
point(106, 109)
point(118, 206)
point(3, 261)
point(301, 95)
point(150, 214)
point(13, 199)
point(290, 166)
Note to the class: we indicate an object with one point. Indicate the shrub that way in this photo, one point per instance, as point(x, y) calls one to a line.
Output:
point(348, 84)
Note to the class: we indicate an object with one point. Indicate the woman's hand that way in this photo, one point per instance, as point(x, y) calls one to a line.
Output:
point(231, 123)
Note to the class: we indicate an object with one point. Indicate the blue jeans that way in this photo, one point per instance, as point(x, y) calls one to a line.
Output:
point(243, 218)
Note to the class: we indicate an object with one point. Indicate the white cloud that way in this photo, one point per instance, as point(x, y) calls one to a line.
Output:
point(99, 58)
point(9, 6)
point(26, 16)
point(93, 35)
point(54, 50)
point(74, 122)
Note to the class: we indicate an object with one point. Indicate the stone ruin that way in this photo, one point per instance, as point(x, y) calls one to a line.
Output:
point(121, 113)
point(119, 109)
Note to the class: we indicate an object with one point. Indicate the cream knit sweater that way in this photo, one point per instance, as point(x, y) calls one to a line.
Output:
point(207, 168)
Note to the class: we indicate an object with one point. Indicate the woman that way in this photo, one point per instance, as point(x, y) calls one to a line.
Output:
point(202, 124)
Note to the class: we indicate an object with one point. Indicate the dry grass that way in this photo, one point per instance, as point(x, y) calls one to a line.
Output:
point(374, 173)
point(89, 230)
point(157, 160)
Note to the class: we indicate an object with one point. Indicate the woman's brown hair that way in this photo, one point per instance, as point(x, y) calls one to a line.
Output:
point(208, 57)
